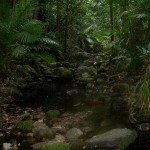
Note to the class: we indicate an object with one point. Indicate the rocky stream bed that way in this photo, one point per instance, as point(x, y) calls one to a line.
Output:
point(85, 110)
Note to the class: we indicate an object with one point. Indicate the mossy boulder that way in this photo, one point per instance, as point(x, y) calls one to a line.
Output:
point(65, 72)
point(24, 126)
point(55, 146)
point(52, 114)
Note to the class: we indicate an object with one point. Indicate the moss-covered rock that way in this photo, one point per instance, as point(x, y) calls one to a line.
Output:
point(24, 126)
point(64, 72)
point(52, 114)
point(55, 146)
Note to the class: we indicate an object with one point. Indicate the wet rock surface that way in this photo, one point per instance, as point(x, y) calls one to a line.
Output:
point(114, 139)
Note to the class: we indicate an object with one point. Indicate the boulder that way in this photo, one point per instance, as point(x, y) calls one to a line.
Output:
point(64, 72)
point(59, 138)
point(59, 129)
point(37, 146)
point(7, 146)
point(74, 134)
point(114, 139)
point(41, 130)
point(39, 116)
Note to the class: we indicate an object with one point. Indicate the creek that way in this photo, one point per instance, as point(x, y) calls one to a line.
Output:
point(105, 113)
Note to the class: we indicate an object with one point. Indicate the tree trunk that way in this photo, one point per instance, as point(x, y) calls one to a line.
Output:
point(66, 27)
point(12, 4)
point(58, 19)
point(124, 7)
point(112, 21)
point(112, 25)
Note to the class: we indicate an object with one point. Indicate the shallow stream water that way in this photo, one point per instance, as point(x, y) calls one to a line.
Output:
point(105, 115)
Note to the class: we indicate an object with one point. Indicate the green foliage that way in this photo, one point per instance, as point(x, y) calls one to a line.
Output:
point(18, 31)
point(55, 146)
point(47, 57)
point(140, 99)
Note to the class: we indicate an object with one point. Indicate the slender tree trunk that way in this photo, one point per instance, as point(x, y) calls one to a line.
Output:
point(112, 25)
point(12, 3)
point(112, 21)
point(58, 19)
point(66, 27)
point(124, 7)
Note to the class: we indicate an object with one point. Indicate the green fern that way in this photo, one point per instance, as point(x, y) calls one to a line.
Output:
point(47, 57)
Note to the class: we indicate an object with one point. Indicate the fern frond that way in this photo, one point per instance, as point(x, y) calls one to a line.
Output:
point(33, 27)
point(4, 11)
point(50, 41)
point(47, 57)
point(20, 50)
point(26, 38)
point(23, 11)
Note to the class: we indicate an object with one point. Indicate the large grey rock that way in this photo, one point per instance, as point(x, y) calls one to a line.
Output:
point(40, 130)
point(114, 139)
point(7, 146)
point(74, 134)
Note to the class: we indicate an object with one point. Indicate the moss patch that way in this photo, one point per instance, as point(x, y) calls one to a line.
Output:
point(52, 114)
point(24, 126)
point(55, 146)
